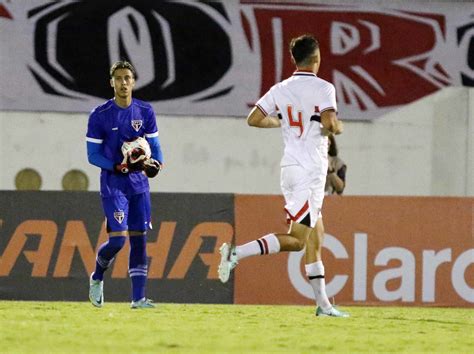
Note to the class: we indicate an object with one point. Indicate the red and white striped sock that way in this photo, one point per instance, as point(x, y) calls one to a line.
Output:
point(315, 273)
point(267, 244)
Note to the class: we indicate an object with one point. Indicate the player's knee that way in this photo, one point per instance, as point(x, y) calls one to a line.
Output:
point(138, 241)
point(117, 242)
point(300, 245)
point(299, 242)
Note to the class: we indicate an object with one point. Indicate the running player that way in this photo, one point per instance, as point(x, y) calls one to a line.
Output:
point(124, 186)
point(304, 106)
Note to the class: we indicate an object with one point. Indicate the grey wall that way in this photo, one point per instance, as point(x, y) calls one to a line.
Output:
point(424, 148)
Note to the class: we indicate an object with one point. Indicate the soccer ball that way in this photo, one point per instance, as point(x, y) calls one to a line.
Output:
point(136, 150)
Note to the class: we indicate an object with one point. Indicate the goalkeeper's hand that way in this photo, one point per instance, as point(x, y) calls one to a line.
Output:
point(127, 165)
point(121, 168)
point(151, 167)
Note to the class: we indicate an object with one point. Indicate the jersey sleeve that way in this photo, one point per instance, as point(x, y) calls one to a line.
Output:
point(151, 135)
point(95, 131)
point(328, 98)
point(267, 104)
point(151, 128)
point(94, 138)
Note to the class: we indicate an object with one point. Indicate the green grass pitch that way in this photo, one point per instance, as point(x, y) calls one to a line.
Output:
point(78, 327)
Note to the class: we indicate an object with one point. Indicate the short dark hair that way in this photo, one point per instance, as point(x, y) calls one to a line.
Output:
point(302, 48)
point(121, 64)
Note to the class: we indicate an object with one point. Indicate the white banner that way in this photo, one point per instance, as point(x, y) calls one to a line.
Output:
point(217, 58)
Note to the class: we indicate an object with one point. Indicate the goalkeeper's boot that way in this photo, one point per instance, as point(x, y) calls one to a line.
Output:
point(332, 312)
point(228, 261)
point(96, 292)
point(142, 304)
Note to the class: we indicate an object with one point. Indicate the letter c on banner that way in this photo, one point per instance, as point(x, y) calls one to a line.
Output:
point(300, 281)
point(458, 275)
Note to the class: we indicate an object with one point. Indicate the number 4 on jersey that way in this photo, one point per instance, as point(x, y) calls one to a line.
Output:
point(297, 123)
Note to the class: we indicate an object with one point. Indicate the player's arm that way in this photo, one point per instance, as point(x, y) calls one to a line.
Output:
point(95, 154)
point(257, 118)
point(154, 165)
point(328, 108)
point(330, 122)
point(94, 140)
point(96, 157)
point(155, 147)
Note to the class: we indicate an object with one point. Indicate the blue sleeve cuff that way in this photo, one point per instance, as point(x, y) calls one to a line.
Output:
point(155, 149)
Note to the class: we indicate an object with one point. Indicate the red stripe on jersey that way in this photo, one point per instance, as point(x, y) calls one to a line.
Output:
point(300, 213)
point(265, 245)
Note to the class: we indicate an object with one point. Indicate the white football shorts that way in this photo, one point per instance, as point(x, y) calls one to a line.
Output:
point(304, 192)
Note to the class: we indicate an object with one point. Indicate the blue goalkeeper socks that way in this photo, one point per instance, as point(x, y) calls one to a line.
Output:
point(106, 254)
point(138, 268)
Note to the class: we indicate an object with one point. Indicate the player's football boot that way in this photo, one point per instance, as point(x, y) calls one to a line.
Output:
point(96, 292)
point(332, 312)
point(228, 261)
point(142, 304)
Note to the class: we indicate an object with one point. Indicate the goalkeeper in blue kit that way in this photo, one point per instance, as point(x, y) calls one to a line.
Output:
point(122, 139)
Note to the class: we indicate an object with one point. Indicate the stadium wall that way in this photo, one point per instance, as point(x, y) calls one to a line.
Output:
point(378, 250)
point(425, 148)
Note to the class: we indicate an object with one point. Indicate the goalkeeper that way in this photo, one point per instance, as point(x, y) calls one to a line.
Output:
point(122, 139)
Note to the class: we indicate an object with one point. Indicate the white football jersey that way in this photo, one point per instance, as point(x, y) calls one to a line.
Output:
point(298, 101)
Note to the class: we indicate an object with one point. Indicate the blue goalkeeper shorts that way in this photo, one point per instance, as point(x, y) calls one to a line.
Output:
point(127, 213)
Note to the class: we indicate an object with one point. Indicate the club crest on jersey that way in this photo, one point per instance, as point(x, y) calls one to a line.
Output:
point(119, 216)
point(137, 124)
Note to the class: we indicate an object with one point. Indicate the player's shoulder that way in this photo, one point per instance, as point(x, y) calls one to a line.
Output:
point(305, 79)
point(102, 108)
point(141, 104)
point(280, 85)
point(323, 84)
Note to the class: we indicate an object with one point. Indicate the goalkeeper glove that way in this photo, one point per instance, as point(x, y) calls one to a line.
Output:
point(151, 167)
point(121, 168)
point(129, 167)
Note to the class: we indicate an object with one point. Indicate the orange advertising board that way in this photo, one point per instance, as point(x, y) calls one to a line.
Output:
point(49, 242)
point(377, 251)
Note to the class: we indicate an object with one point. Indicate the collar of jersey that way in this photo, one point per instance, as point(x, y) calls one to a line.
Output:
point(122, 108)
point(303, 73)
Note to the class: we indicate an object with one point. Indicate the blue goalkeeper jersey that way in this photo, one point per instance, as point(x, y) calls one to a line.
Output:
point(109, 126)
